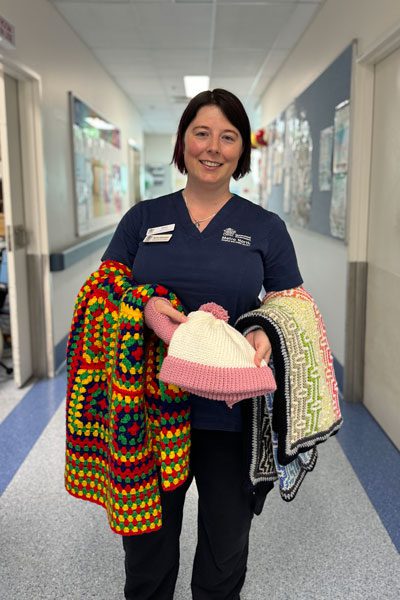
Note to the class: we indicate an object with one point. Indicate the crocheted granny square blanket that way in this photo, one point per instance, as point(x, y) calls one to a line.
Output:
point(126, 435)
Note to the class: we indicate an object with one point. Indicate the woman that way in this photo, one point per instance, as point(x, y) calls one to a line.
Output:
point(217, 247)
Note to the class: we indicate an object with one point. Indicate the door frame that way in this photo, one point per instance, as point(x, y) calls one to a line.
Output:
point(134, 173)
point(362, 98)
point(33, 168)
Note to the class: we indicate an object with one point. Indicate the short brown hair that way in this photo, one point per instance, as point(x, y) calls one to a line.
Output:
point(233, 110)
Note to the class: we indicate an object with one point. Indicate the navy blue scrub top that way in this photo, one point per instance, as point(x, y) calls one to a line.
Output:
point(243, 248)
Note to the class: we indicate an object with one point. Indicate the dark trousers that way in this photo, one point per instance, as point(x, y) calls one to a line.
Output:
point(224, 518)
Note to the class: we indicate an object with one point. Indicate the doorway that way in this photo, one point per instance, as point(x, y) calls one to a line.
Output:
point(381, 381)
point(20, 236)
point(16, 329)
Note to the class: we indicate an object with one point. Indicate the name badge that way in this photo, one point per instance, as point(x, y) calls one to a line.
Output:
point(160, 237)
point(161, 229)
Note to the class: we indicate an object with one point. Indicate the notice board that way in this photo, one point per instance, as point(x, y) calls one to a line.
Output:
point(303, 170)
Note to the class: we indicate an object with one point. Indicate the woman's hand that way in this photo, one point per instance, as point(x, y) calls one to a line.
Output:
point(261, 344)
point(165, 308)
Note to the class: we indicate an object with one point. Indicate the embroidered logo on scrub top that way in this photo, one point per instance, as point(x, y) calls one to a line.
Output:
point(230, 235)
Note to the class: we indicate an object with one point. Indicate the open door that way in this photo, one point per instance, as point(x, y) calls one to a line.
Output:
point(12, 181)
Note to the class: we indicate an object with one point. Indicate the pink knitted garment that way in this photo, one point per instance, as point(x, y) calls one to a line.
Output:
point(162, 325)
point(208, 357)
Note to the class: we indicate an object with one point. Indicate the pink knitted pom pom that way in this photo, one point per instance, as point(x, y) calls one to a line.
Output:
point(218, 311)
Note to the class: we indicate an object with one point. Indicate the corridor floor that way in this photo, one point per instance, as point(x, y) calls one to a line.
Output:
point(339, 539)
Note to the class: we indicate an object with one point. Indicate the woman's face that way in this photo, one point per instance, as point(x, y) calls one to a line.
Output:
point(212, 147)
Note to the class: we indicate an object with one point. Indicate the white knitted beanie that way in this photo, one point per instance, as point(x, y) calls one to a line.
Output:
point(208, 357)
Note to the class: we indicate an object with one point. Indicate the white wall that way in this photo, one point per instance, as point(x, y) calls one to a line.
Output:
point(322, 264)
point(65, 290)
point(323, 261)
point(49, 47)
point(336, 24)
point(158, 150)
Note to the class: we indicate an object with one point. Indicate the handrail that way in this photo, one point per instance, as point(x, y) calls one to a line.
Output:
point(63, 259)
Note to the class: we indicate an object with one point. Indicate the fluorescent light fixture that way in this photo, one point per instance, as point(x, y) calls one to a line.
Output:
point(133, 144)
point(98, 123)
point(195, 84)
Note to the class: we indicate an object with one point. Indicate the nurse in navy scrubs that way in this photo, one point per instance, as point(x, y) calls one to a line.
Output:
point(219, 247)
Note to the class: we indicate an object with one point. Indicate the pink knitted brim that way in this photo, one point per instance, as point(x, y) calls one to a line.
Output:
point(218, 383)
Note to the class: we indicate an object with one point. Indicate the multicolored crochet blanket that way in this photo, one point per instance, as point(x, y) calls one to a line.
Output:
point(126, 435)
point(304, 411)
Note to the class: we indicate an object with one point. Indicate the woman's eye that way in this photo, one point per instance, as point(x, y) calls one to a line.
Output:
point(201, 133)
point(228, 138)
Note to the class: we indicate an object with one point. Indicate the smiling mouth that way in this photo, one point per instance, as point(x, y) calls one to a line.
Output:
point(210, 163)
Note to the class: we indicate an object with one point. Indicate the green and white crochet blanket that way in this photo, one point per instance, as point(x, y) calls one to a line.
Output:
point(304, 411)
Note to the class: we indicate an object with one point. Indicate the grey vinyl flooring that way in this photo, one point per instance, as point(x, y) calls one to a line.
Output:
point(10, 395)
point(328, 544)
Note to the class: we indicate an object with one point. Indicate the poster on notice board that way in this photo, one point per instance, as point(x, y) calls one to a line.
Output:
point(308, 153)
point(325, 160)
point(100, 176)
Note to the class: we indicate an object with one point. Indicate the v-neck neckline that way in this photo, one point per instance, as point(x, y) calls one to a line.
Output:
point(191, 228)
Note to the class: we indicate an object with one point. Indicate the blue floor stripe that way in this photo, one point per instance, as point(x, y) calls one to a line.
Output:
point(373, 457)
point(376, 462)
point(25, 424)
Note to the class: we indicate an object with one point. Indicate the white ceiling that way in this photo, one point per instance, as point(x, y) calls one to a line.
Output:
point(147, 46)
